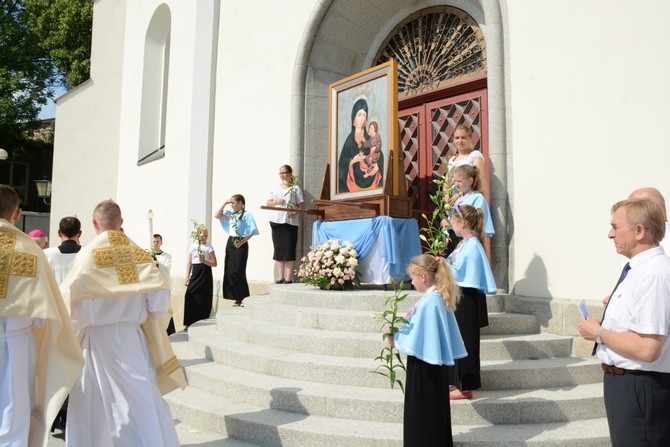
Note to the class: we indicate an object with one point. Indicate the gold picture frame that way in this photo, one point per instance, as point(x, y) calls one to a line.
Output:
point(359, 161)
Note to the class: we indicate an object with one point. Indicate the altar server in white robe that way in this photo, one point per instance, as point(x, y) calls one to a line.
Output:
point(60, 257)
point(118, 301)
point(40, 358)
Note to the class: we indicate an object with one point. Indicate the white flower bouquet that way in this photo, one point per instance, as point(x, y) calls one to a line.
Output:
point(331, 265)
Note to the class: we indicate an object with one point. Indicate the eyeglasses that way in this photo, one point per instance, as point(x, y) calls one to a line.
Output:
point(282, 173)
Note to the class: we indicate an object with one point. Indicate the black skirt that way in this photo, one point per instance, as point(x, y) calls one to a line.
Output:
point(235, 286)
point(427, 417)
point(471, 314)
point(198, 299)
point(284, 239)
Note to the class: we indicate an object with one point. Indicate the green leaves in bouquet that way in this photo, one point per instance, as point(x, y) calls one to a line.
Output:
point(435, 237)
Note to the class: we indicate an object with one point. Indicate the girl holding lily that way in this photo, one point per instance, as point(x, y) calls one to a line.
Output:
point(201, 259)
point(472, 272)
point(431, 341)
point(284, 224)
point(240, 226)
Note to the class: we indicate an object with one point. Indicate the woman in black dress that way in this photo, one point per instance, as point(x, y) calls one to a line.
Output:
point(240, 226)
point(199, 285)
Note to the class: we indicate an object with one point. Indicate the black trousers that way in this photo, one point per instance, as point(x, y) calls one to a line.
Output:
point(638, 409)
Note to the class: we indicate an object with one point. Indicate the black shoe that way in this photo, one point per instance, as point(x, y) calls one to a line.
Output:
point(288, 282)
point(280, 281)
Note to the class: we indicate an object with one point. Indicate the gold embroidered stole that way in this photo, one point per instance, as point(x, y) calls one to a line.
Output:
point(113, 266)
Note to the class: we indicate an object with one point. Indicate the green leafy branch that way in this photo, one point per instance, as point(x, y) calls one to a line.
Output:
point(195, 235)
point(433, 234)
point(389, 357)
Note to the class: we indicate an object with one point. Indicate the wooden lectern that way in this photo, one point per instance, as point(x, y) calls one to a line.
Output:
point(392, 202)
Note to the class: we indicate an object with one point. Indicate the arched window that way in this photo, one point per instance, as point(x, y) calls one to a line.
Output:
point(435, 48)
point(155, 73)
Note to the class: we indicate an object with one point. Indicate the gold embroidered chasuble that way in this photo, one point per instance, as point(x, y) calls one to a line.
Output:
point(28, 289)
point(113, 266)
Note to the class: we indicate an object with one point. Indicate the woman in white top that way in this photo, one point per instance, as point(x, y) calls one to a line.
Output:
point(284, 224)
point(199, 284)
point(465, 155)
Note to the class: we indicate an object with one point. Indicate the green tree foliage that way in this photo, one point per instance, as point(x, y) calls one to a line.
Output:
point(43, 44)
point(64, 31)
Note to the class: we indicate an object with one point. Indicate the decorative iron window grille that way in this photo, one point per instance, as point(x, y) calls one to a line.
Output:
point(434, 48)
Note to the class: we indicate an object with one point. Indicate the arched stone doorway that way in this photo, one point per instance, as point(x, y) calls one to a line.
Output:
point(441, 54)
point(342, 39)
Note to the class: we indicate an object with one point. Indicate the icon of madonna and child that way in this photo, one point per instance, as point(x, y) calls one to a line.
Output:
point(361, 162)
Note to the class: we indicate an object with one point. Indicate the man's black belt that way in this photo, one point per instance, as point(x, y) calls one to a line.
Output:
point(621, 371)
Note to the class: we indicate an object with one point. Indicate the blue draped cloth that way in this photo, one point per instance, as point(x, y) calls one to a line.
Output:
point(398, 238)
point(432, 333)
point(470, 266)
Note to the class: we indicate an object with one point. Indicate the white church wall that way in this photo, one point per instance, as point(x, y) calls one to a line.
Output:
point(173, 185)
point(588, 109)
point(585, 99)
point(258, 43)
point(87, 125)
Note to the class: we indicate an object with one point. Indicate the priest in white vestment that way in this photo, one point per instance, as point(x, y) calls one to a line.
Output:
point(40, 358)
point(118, 301)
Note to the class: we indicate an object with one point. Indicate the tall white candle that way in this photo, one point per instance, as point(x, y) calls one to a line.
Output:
point(150, 216)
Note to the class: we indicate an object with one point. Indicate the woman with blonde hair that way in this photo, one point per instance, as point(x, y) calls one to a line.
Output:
point(465, 155)
point(199, 285)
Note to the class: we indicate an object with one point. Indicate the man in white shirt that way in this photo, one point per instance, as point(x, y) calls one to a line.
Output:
point(632, 340)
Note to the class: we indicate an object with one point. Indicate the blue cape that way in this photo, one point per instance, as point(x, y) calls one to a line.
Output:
point(432, 333)
point(477, 200)
point(245, 227)
point(471, 268)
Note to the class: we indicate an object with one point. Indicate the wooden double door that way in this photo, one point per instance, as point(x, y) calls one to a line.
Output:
point(426, 127)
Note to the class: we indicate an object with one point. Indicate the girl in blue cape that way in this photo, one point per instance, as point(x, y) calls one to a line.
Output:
point(240, 226)
point(472, 273)
point(468, 182)
point(431, 341)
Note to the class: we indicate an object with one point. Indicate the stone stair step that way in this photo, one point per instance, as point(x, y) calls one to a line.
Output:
point(266, 308)
point(534, 406)
point(584, 433)
point(368, 300)
point(509, 323)
point(270, 427)
point(194, 437)
point(525, 347)
point(545, 373)
point(289, 394)
point(216, 345)
point(242, 324)
point(188, 437)
point(386, 404)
